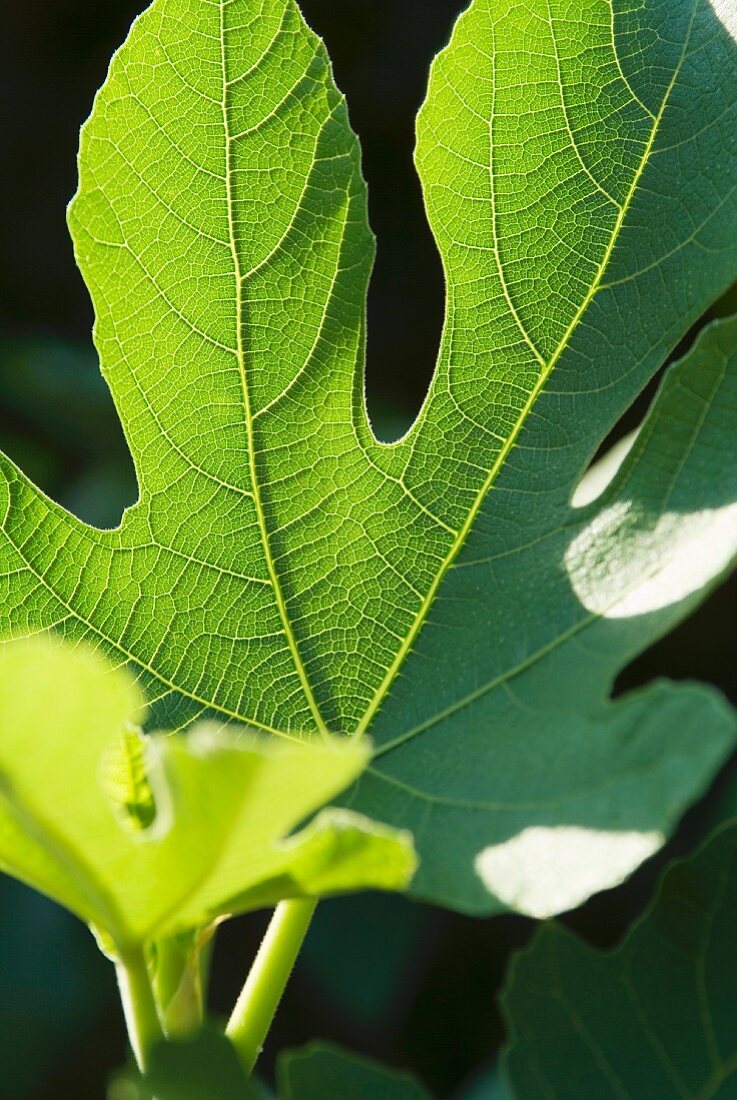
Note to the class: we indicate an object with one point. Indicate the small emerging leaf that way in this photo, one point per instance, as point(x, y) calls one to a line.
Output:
point(225, 807)
point(124, 774)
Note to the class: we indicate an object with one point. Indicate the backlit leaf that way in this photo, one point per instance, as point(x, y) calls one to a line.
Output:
point(284, 569)
point(225, 804)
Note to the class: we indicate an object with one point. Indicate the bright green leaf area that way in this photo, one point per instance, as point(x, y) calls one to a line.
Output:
point(656, 1018)
point(172, 834)
point(284, 569)
point(319, 1071)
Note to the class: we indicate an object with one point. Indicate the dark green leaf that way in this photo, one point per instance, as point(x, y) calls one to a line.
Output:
point(203, 1068)
point(327, 1073)
point(655, 1019)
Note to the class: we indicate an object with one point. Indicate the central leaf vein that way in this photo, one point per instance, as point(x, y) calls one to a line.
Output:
point(240, 353)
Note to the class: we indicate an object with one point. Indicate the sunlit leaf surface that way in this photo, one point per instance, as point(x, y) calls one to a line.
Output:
point(145, 837)
point(284, 569)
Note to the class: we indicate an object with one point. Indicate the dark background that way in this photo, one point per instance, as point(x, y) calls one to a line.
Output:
point(407, 984)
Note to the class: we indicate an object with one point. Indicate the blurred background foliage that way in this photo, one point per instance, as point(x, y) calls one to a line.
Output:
point(409, 985)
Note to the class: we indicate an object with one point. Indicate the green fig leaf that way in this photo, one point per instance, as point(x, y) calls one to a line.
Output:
point(284, 569)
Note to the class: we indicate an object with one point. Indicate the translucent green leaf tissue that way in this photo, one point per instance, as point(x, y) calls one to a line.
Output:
point(223, 808)
point(446, 593)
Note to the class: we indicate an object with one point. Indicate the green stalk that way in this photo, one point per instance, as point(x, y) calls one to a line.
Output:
point(175, 968)
point(256, 1007)
point(139, 1006)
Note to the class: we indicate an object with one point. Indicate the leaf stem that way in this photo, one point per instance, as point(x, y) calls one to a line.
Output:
point(256, 1007)
point(177, 984)
point(139, 1006)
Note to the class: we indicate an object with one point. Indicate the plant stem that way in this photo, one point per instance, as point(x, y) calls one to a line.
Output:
point(139, 1006)
point(256, 1007)
point(176, 980)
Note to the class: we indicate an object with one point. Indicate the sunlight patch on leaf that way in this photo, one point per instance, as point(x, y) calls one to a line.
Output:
point(726, 12)
point(531, 872)
point(601, 474)
point(618, 568)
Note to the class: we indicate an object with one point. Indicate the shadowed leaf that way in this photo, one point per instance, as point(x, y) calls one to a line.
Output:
point(655, 1018)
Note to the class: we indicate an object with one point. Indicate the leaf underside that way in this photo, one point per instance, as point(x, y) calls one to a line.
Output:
point(655, 1018)
point(282, 567)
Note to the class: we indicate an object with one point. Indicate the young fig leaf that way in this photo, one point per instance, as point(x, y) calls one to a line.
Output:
point(225, 804)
